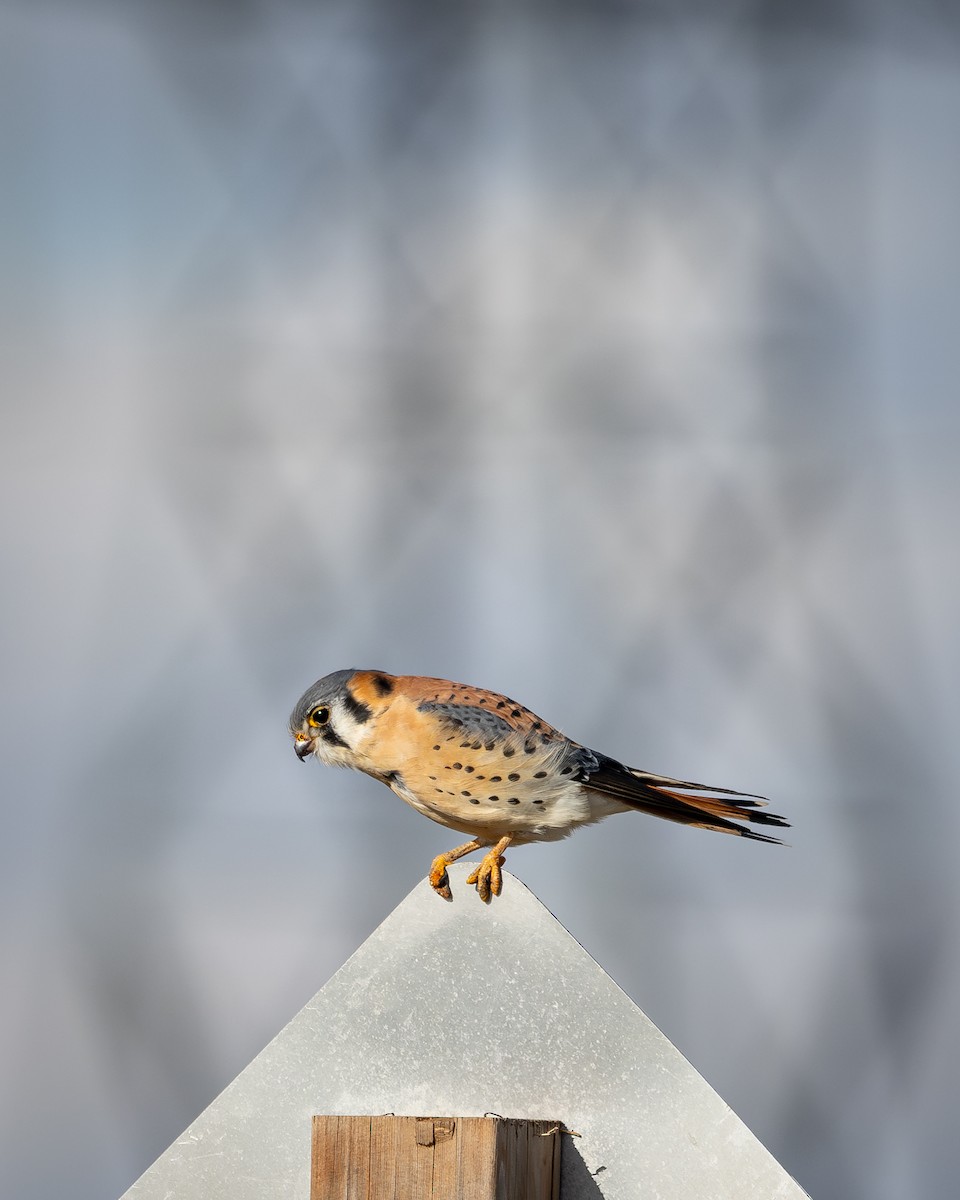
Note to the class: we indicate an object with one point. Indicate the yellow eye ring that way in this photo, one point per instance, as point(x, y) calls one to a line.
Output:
point(319, 716)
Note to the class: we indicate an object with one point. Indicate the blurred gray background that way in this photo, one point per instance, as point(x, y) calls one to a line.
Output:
point(601, 354)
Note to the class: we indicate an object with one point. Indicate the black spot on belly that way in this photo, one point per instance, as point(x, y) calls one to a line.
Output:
point(513, 777)
point(539, 774)
point(493, 798)
point(495, 778)
point(538, 801)
point(474, 800)
point(508, 752)
point(513, 800)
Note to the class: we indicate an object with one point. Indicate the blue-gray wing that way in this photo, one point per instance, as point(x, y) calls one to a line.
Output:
point(471, 720)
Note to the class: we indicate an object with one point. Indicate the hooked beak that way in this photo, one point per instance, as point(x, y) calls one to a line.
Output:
point(303, 745)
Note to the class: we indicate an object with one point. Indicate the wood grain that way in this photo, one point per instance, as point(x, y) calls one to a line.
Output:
point(434, 1158)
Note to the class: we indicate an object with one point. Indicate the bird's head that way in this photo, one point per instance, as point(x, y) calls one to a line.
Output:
point(334, 718)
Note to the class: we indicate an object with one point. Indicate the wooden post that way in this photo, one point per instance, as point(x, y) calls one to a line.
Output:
point(434, 1158)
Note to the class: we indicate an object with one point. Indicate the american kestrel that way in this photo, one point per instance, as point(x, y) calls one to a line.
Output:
point(480, 763)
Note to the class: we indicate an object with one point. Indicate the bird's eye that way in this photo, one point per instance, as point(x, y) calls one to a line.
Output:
point(319, 715)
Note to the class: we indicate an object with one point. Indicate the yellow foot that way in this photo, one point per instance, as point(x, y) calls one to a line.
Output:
point(486, 875)
point(439, 879)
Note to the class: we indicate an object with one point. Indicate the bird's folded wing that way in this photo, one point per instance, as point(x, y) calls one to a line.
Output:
point(707, 807)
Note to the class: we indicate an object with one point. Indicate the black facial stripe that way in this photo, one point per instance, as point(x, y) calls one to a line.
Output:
point(332, 737)
point(356, 708)
point(383, 685)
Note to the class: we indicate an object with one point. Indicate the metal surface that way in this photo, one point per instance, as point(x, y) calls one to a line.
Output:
point(466, 1009)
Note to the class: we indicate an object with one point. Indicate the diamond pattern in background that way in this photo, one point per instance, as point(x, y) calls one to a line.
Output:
point(602, 360)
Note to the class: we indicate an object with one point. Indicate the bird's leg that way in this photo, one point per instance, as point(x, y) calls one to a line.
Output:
point(486, 874)
point(439, 880)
